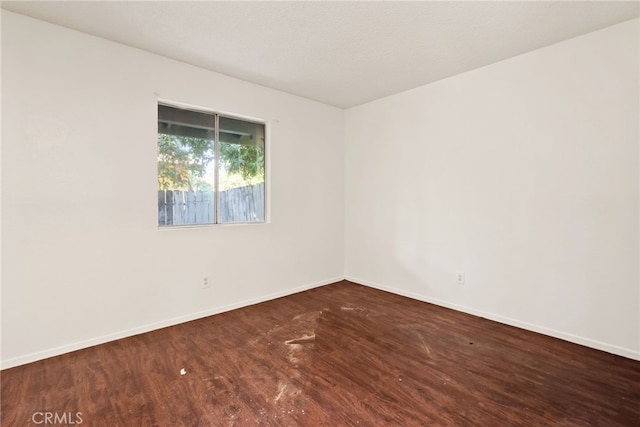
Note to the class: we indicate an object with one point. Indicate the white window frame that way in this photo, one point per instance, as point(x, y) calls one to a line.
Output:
point(216, 116)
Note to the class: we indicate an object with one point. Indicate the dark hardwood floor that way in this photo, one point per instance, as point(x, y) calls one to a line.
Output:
point(339, 355)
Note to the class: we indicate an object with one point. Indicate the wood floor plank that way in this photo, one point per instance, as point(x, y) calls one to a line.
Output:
point(339, 355)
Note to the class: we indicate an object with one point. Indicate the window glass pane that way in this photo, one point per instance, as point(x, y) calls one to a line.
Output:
point(185, 167)
point(241, 170)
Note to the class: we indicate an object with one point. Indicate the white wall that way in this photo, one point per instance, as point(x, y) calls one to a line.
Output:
point(524, 175)
point(83, 260)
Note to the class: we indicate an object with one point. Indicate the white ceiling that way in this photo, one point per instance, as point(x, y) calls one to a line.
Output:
point(339, 53)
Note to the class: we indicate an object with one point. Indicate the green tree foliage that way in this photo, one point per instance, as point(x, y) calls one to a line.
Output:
point(246, 160)
point(183, 162)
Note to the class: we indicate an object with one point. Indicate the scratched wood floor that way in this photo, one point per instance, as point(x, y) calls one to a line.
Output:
point(339, 355)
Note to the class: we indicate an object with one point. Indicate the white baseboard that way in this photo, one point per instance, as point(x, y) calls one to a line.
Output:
point(57, 351)
point(620, 351)
point(33, 357)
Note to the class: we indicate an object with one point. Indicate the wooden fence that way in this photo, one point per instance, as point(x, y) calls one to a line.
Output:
point(242, 204)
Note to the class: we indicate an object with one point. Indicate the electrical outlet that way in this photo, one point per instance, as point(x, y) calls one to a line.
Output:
point(206, 282)
point(460, 277)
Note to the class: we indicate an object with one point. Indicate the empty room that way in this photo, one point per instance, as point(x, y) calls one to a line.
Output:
point(320, 213)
